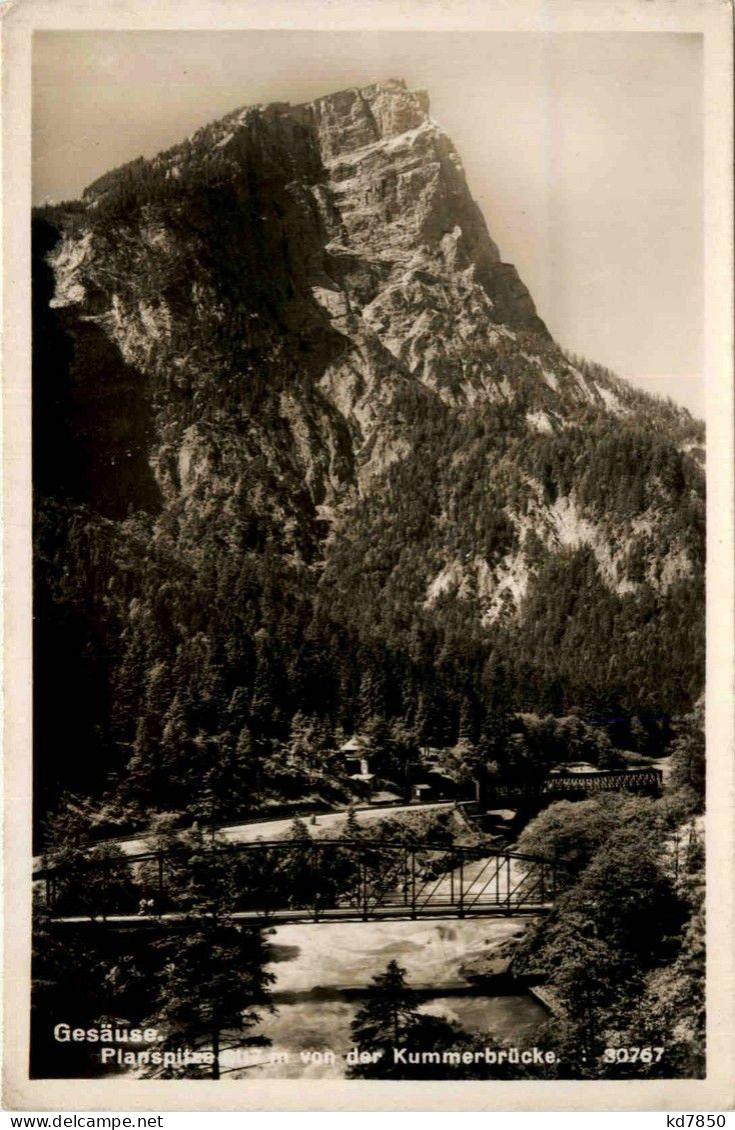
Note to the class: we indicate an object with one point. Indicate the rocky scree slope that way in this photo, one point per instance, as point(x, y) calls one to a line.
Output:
point(288, 347)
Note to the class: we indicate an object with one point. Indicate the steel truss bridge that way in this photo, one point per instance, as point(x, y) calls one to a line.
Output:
point(561, 785)
point(307, 881)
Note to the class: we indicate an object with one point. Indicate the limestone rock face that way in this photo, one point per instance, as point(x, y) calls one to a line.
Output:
point(290, 294)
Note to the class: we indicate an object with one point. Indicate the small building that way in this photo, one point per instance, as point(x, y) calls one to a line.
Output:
point(356, 754)
point(363, 783)
point(420, 794)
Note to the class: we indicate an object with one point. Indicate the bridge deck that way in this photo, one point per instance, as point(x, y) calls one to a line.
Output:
point(339, 914)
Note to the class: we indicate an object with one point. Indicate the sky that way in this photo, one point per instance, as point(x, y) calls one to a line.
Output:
point(584, 151)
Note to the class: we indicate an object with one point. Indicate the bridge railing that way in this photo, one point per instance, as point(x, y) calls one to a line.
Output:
point(309, 878)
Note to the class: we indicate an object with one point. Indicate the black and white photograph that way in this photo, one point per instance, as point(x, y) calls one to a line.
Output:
point(369, 542)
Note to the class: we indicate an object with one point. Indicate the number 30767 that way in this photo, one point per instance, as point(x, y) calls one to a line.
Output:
point(632, 1055)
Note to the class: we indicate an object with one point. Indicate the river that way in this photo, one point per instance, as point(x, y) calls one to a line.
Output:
point(321, 968)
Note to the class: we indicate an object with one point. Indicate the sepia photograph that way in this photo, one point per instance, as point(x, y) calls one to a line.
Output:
point(369, 541)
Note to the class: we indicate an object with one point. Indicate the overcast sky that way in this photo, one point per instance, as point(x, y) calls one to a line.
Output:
point(584, 151)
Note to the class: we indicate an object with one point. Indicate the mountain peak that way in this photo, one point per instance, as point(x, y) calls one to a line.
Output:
point(308, 449)
point(385, 184)
point(359, 116)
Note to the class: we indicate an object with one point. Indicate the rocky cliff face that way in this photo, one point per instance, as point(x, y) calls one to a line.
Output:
point(347, 231)
point(292, 334)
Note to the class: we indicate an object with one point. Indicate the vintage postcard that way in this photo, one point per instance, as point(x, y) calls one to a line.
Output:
point(368, 540)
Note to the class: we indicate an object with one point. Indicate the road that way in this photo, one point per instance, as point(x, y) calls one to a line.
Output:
point(321, 826)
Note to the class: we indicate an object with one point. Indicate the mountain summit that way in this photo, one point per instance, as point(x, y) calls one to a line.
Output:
point(304, 448)
point(383, 182)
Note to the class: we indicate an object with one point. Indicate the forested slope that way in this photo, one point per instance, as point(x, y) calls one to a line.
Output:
point(306, 460)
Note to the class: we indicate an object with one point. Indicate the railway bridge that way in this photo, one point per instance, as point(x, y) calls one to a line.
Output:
point(562, 786)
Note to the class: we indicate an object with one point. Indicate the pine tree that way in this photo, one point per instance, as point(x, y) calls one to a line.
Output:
point(298, 830)
point(95, 878)
point(688, 758)
point(352, 828)
point(391, 1019)
point(299, 873)
point(212, 978)
point(389, 1014)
